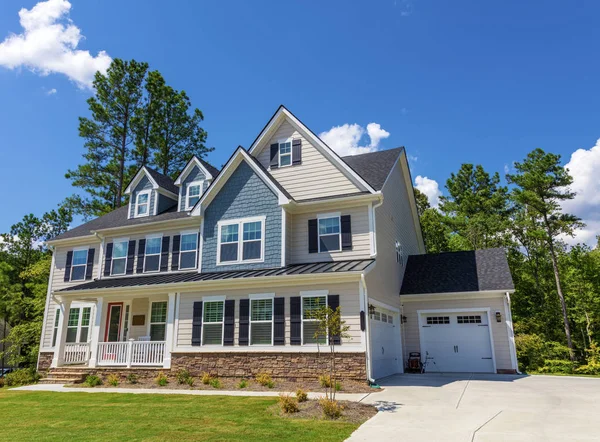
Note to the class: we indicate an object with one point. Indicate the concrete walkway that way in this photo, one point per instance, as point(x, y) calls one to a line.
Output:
point(62, 389)
point(484, 408)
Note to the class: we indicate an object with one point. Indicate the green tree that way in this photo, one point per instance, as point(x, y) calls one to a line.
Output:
point(435, 233)
point(422, 202)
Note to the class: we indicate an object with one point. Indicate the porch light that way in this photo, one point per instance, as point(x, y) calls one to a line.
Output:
point(371, 309)
point(498, 317)
point(402, 319)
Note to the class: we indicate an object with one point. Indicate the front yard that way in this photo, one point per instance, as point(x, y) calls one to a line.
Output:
point(111, 416)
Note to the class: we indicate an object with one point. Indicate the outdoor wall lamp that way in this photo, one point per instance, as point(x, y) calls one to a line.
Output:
point(402, 319)
point(498, 317)
point(371, 309)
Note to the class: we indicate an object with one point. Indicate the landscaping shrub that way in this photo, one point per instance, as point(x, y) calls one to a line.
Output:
point(591, 368)
point(288, 404)
point(183, 377)
point(23, 376)
point(325, 381)
point(215, 383)
point(206, 378)
point(132, 378)
point(190, 381)
point(1, 382)
point(265, 380)
point(331, 409)
point(161, 380)
point(301, 395)
point(92, 381)
point(533, 350)
point(243, 383)
point(557, 366)
point(113, 380)
point(338, 386)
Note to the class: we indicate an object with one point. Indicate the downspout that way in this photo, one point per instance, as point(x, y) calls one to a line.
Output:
point(511, 332)
point(372, 226)
point(367, 328)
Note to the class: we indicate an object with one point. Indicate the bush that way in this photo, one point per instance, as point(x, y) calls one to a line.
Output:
point(92, 381)
point(591, 368)
point(301, 395)
point(161, 380)
point(183, 377)
point(325, 381)
point(23, 376)
point(265, 380)
point(331, 409)
point(288, 404)
point(557, 366)
point(190, 381)
point(206, 378)
point(215, 383)
point(113, 380)
point(533, 350)
point(1, 382)
point(132, 378)
point(243, 383)
point(338, 386)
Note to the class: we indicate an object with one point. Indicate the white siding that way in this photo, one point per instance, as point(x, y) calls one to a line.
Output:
point(315, 177)
point(139, 306)
point(60, 262)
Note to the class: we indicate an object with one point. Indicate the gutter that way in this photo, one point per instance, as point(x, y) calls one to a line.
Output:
point(372, 227)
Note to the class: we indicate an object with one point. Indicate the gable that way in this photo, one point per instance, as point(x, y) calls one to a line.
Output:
point(194, 175)
point(144, 184)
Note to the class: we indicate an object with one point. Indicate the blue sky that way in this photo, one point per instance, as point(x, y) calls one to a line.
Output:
point(454, 82)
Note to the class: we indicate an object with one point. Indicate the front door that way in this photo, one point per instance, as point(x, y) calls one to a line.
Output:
point(113, 322)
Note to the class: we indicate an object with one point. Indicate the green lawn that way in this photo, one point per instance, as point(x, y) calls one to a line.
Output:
point(117, 416)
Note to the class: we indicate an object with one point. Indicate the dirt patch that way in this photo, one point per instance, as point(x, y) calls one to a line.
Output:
point(354, 412)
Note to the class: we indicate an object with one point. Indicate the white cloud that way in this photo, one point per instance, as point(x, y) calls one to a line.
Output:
point(345, 139)
point(51, 92)
point(48, 45)
point(430, 188)
point(583, 167)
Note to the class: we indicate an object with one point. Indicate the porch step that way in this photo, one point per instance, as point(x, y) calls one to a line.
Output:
point(61, 380)
point(62, 375)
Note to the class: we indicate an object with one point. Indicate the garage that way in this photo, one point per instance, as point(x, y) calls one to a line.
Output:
point(386, 350)
point(456, 341)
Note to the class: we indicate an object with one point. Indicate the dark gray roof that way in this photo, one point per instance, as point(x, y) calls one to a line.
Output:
point(374, 167)
point(212, 169)
point(472, 271)
point(180, 277)
point(163, 181)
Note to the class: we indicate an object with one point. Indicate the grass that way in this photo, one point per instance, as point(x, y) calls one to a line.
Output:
point(153, 417)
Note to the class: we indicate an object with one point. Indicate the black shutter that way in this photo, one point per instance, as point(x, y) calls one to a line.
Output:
point(346, 232)
point(89, 268)
point(363, 324)
point(295, 320)
point(297, 151)
point(333, 301)
point(68, 265)
point(274, 156)
point(279, 321)
point(107, 258)
point(164, 254)
point(175, 255)
point(197, 324)
point(244, 321)
point(141, 253)
point(229, 322)
point(130, 257)
point(313, 236)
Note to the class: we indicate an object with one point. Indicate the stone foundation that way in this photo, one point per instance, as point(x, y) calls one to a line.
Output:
point(506, 371)
point(44, 361)
point(291, 366)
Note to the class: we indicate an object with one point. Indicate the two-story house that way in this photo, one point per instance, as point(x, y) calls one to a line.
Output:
point(219, 271)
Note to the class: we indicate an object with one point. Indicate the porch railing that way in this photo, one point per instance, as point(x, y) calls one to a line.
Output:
point(77, 353)
point(131, 353)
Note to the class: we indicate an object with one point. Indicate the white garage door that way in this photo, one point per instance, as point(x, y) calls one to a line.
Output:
point(385, 343)
point(456, 342)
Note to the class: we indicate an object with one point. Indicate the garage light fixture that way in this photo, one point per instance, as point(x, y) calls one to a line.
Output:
point(498, 317)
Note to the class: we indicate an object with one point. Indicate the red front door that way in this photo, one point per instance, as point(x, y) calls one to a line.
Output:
point(113, 322)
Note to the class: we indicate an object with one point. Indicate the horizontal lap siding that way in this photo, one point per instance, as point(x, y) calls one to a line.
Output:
point(361, 246)
point(349, 304)
point(139, 306)
point(315, 177)
point(499, 331)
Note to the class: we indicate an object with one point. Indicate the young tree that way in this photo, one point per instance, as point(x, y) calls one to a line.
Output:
point(542, 184)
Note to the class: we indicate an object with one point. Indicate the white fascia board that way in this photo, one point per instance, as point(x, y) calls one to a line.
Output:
point(188, 168)
point(137, 178)
point(454, 295)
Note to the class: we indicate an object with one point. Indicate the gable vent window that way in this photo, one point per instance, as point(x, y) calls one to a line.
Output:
point(142, 204)
point(79, 265)
point(152, 256)
point(194, 191)
point(438, 320)
point(285, 154)
point(399, 253)
point(241, 241)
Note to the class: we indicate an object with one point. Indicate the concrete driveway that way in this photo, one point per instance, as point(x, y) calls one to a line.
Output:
point(484, 408)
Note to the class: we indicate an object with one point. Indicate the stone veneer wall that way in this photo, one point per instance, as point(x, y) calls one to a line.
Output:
point(44, 361)
point(279, 365)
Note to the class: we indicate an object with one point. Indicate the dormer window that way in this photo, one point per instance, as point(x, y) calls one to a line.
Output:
point(142, 204)
point(285, 153)
point(194, 191)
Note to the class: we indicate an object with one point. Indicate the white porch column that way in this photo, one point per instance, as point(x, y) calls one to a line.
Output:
point(96, 333)
point(170, 330)
point(61, 334)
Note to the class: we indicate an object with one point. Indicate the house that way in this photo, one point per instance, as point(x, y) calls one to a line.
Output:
point(219, 271)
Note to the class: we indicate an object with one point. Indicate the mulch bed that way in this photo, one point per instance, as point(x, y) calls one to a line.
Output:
point(354, 412)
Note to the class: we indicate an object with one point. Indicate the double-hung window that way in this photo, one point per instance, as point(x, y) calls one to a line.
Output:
point(212, 322)
point(241, 241)
point(194, 191)
point(188, 250)
point(79, 265)
point(142, 204)
point(285, 153)
point(158, 321)
point(78, 325)
point(311, 304)
point(119, 257)
point(56, 323)
point(152, 254)
point(261, 321)
point(330, 236)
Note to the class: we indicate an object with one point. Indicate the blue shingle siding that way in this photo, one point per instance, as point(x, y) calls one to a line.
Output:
point(243, 195)
point(165, 203)
point(144, 184)
point(195, 175)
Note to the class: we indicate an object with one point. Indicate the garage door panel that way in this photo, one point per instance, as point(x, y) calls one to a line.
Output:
point(385, 343)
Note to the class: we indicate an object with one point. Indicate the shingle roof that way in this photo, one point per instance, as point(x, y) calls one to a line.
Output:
point(181, 277)
point(212, 169)
point(374, 167)
point(163, 181)
point(472, 271)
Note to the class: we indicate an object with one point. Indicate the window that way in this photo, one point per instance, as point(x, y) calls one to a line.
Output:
point(152, 254)
point(261, 321)
point(85, 324)
point(194, 191)
point(399, 253)
point(158, 321)
point(188, 251)
point(249, 248)
point(142, 204)
point(72, 325)
point(126, 323)
point(78, 326)
point(56, 322)
point(311, 304)
point(119, 257)
point(437, 320)
point(78, 265)
point(330, 237)
point(473, 319)
point(212, 323)
point(285, 153)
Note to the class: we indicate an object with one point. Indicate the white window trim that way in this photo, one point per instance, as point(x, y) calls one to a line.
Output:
point(112, 258)
point(188, 232)
point(153, 254)
point(206, 299)
point(311, 294)
point(279, 143)
point(240, 223)
point(150, 323)
point(187, 193)
point(321, 216)
point(258, 297)
point(137, 197)
point(79, 249)
point(79, 325)
point(55, 325)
